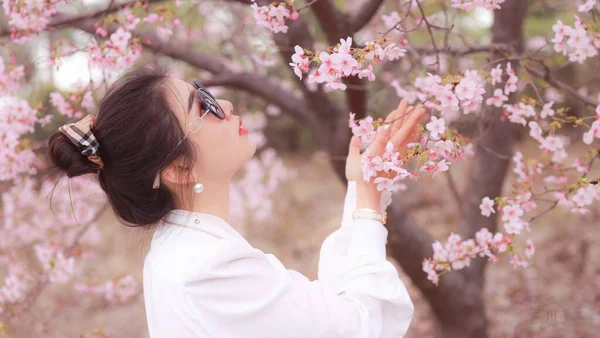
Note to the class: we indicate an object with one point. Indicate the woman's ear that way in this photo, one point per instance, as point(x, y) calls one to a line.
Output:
point(177, 175)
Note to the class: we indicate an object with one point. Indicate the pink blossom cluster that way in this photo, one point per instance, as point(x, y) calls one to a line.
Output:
point(344, 61)
point(256, 123)
point(116, 291)
point(164, 30)
point(56, 265)
point(449, 97)
point(452, 95)
point(273, 16)
point(587, 6)
point(510, 86)
point(16, 284)
point(10, 78)
point(575, 42)
point(29, 17)
point(73, 104)
point(514, 209)
point(446, 95)
point(114, 53)
point(468, 5)
point(262, 176)
point(457, 253)
point(27, 218)
point(17, 119)
point(580, 201)
point(252, 192)
point(387, 170)
point(594, 131)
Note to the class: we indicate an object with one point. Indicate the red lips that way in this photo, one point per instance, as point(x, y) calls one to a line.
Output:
point(243, 130)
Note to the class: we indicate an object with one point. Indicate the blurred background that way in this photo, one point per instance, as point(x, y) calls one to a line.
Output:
point(68, 268)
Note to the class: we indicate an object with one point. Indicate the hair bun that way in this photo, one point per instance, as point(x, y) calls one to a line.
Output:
point(68, 157)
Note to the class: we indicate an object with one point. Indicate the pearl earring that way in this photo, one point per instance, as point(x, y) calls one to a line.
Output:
point(198, 187)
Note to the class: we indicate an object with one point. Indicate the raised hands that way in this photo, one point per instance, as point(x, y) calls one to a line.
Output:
point(400, 129)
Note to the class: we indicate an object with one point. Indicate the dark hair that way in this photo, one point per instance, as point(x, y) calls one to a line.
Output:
point(136, 131)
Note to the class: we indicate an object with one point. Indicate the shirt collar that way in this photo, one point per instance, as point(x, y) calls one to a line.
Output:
point(208, 223)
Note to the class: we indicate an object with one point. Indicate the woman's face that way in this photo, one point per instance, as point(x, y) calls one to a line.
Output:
point(223, 146)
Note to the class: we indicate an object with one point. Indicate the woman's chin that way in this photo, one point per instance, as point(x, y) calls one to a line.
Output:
point(251, 149)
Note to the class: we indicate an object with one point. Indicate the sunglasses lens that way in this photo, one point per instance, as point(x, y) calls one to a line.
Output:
point(208, 102)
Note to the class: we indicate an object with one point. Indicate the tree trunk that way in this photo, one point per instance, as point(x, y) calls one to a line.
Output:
point(491, 162)
point(457, 302)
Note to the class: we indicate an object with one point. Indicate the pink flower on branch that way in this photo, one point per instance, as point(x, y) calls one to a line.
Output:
point(487, 207)
point(343, 61)
point(457, 253)
point(28, 18)
point(436, 127)
point(273, 16)
point(116, 291)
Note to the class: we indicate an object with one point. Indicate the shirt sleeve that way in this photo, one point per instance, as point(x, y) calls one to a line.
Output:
point(354, 258)
point(243, 292)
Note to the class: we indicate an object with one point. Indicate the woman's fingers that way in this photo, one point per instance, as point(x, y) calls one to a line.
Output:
point(354, 148)
point(400, 113)
point(392, 115)
point(383, 136)
point(415, 136)
point(407, 129)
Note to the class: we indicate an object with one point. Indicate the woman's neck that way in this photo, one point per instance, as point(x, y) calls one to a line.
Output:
point(214, 199)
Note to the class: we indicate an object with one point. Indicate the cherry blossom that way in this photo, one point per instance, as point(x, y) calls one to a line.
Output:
point(497, 99)
point(344, 61)
point(436, 127)
point(116, 291)
point(530, 248)
point(10, 78)
point(363, 129)
point(60, 268)
point(594, 132)
point(300, 62)
point(587, 6)
point(511, 83)
point(435, 168)
point(29, 17)
point(575, 42)
point(547, 110)
point(496, 75)
point(458, 253)
point(487, 207)
point(251, 193)
point(273, 16)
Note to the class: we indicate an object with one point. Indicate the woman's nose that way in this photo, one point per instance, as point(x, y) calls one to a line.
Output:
point(227, 108)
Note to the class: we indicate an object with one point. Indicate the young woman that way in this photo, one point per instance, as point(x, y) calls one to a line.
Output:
point(165, 151)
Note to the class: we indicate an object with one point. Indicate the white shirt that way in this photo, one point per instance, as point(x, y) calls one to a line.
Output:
point(204, 279)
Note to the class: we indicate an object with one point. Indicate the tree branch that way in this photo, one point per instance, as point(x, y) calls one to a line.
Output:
point(254, 83)
point(460, 51)
point(60, 21)
point(547, 76)
point(274, 93)
point(363, 15)
point(335, 26)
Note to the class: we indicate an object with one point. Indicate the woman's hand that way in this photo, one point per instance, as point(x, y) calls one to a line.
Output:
point(400, 131)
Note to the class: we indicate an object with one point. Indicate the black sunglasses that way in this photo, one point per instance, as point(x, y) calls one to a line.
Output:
point(208, 103)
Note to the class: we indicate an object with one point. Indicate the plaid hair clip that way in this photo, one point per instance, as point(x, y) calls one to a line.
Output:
point(80, 134)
